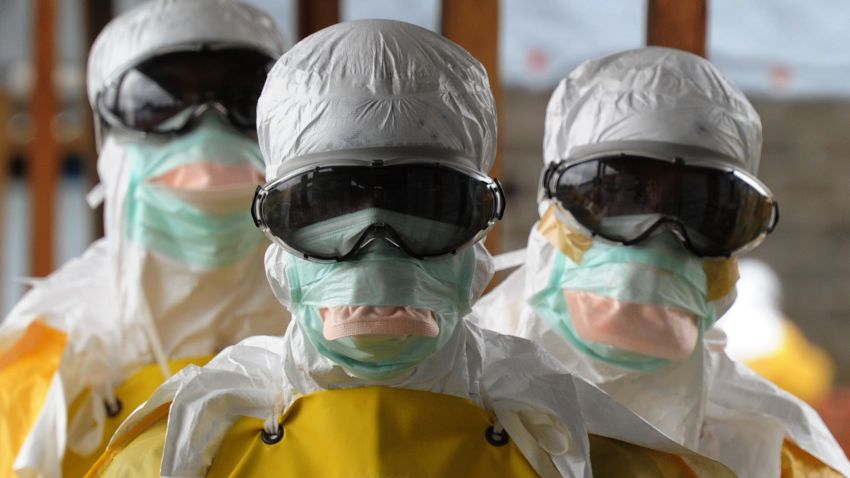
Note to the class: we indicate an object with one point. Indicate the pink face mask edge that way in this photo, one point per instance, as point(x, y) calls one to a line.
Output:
point(651, 330)
point(204, 175)
point(352, 321)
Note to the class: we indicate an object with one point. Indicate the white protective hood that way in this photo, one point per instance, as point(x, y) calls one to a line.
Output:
point(109, 312)
point(417, 89)
point(657, 96)
point(162, 24)
point(663, 101)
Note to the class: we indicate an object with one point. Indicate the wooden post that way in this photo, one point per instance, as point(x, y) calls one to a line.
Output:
point(677, 24)
point(96, 14)
point(5, 162)
point(474, 25)
point(313, 15)
point(43, 155)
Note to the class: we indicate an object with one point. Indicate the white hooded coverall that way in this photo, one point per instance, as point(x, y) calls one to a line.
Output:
point(654, 99)
point(92, 332)
point(372, 84)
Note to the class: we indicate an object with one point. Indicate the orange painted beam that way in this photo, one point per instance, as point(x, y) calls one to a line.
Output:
point(43, 171)
point(313, 15)
point(474, 25)
point(5, 160)
point(677, 24)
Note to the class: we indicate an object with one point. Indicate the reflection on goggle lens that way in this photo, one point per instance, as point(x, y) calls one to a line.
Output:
point(716, 211)
point(165, 93)
point(331, 212)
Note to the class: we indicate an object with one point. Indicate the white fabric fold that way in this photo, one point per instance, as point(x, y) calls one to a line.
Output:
point(710, 403)
point(547, 411)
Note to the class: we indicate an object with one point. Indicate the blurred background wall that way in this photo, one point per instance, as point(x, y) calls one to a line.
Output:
point(790, 57)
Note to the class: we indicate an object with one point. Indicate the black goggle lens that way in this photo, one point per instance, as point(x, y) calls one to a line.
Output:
point(431, 210)
point(622, 198)
point(161, 94)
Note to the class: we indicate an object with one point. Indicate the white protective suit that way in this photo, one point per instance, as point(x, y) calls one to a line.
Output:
point(120, 306)
point(378, 83)
point(649, 100)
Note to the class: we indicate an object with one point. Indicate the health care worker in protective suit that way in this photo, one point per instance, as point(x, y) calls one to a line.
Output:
point(179, 274)
point(377, 136)
point(648, 194)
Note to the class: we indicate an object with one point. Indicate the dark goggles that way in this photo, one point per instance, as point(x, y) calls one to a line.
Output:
point(715, 210)
point(167, 92)
point(330, 212)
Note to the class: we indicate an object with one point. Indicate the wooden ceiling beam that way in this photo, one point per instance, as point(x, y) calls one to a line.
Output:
point(313, 15)
point(44, 160)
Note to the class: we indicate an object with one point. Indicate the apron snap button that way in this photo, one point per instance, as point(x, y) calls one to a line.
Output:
point(113, 409)
point(272, 438)
point(495, 438)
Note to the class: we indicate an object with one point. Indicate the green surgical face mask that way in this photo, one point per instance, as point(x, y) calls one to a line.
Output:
point(387, 278)
point(176, 225)
point(659, 272)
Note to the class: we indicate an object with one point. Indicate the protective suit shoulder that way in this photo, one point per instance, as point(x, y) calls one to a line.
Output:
point(534, 396)
point(244, 380)
point(797, 463)
point(66, 321)
point(138, 457)
point(74, 296)
point(500, 309)
point(739, 396)
point(28, 380)
point(137, 388)
point(615, 458)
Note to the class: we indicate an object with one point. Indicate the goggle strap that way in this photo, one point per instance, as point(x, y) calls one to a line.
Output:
point(775, 217)
point(500, 199)
point(256, 204)
point(547, 178)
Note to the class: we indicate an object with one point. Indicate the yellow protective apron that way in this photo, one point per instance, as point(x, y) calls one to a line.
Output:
point(26, 371)
point(797, 463)
point(614, 458)
point(374, 432)
point(135, 390)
